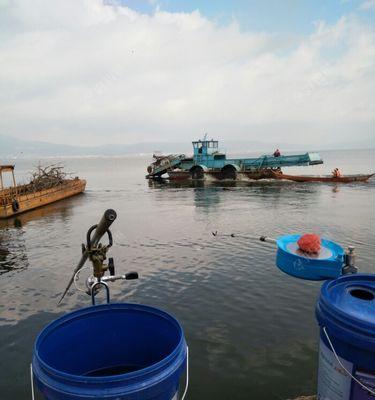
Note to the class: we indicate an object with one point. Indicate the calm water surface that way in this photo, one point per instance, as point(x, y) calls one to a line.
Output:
point(251, 329)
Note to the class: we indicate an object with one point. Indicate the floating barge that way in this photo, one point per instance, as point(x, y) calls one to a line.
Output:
point(207, 161)
point(20, 198)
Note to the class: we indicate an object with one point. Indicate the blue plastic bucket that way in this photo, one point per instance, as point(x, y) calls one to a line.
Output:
point(346, 315)
point(110, 351)
point(327, 265)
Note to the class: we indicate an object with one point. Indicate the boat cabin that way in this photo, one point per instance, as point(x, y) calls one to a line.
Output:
point(206, 150)
point(205, 147)
point(6, 168)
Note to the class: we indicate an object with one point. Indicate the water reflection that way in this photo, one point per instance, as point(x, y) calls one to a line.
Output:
point(13, 245)
point(283, 194)
point(206, 198)
point(183, 184)
point(3, 253)
point(224, 184)
point(60, 210)
point(264, 193)
point(13, 252)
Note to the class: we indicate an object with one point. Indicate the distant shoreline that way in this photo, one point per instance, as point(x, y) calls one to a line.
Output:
point(14, 148)
point(149, 154)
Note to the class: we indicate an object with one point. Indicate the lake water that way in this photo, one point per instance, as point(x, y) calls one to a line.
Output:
point(251, 329)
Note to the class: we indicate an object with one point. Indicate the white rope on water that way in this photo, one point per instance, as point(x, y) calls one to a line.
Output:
point(342, 366)
point(187, 374)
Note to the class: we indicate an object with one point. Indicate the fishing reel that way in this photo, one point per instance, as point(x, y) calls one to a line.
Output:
point(96, 252)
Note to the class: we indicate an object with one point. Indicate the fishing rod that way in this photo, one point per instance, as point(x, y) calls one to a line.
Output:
point(96, 252)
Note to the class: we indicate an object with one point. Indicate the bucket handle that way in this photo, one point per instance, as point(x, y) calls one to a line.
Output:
point(32, 382)
point(182, 398)
point(93, 287)
point(187, 374)
point(342, 366)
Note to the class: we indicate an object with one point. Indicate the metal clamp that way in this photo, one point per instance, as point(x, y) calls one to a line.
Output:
point(93, 287)
point(349, 260)
point(89, 240)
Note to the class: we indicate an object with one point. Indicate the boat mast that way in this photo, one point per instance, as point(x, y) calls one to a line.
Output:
point(14, 181)
point(8, 168)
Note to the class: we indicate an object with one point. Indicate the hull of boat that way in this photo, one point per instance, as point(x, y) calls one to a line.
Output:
point(40, 198)
point(220, 176)
point(342, 179)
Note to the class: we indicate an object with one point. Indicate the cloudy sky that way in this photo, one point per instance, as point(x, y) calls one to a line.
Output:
point(128, 71)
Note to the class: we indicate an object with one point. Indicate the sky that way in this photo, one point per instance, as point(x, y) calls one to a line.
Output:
point(92, 72)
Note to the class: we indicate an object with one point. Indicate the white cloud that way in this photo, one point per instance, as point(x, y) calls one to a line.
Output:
point(368, 5)
point(80, 71)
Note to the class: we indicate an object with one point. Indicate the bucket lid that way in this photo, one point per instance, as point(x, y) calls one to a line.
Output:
point(350, 300)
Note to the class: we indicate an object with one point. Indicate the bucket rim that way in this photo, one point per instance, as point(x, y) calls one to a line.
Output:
point(155, 368)
point(326, 310)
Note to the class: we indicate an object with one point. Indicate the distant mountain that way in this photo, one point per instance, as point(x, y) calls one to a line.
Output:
point(11, 148)
point(14, 148)
point(17, 148)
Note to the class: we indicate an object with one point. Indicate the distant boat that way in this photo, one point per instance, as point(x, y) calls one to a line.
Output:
point(20, 198)
point(326, 178)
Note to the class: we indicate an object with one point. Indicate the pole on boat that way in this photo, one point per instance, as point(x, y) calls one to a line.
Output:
point(100, 229)
point(14, 181)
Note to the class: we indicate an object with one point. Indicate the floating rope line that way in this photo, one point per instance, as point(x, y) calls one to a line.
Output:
point(252, 237)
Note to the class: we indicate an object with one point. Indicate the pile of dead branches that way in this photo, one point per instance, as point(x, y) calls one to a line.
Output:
point(47, 177)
